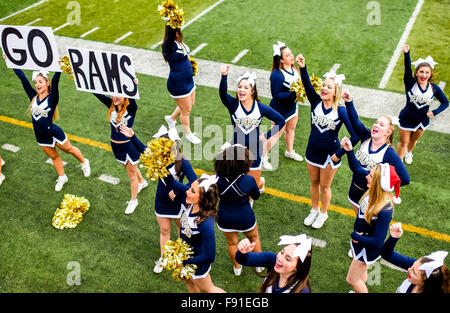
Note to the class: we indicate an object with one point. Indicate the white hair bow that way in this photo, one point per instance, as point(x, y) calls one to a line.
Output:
point(251, 77)
point(302, 249)
point(277, 48)
point(227, 145)
point(438, 258)
point(172, 133)
point(37, 73)
point(209, 180)
point(337, 78)
point(429, 60)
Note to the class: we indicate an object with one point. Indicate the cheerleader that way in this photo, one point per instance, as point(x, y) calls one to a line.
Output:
point(197, 228)
point(2, 177)
point(288, 271)
point(375, 148)
point(284, 73)
point(372, 220)
point(237, 190)
point(180, 83)
point(43, 110)
point(246, 114)
point(122, 111)
point(167, 202)
point(428, 274)
point(323, 151)
point(420, 93)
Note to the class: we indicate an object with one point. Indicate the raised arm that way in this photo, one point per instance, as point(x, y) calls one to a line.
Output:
point(31, 93)
point(54, 95)
point(168, 44)
point(188, 172)
point(230, 102)
point(388, 253)
point(353, 136)
point(104, 99)
point(408, 78)
point(362, 131)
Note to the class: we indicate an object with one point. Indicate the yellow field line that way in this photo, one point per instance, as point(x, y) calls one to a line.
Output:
point(270, 191)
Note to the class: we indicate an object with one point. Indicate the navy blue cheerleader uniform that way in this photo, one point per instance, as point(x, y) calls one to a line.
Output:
point(369, 244)
point(247, 123)
point(47, 134)
point(404, 262)
point(235, 212)
point(201, 237)
point(414, 115)
point(181, 77)
point(267, 260)
point(164, 206)
point(368, 159)
point(284, 101)
point(323, 140)
point(126, 151)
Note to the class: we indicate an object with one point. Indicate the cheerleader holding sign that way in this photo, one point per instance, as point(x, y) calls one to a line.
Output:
point(43, 110)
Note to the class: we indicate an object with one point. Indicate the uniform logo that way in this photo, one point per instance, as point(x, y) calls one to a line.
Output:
point(123, 121)
point(185, 227)
point(365, 160)
point(40, 110)
point(323, 123)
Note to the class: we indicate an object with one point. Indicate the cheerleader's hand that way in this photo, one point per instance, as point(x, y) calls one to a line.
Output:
point(136, 80)
point(396, 230)
point(300, 59)
point(346, 144)
point(4, 56)
point(172, 195)
point(405, 48)
point(262, 138)
point(126, 131)
point(347, 97)
point(334, 158)
point(430, 114)
point(245, 246)
point(224, 69)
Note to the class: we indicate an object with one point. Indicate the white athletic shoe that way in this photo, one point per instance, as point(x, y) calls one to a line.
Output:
point(318, 223)
point(86, 168)
point(158, 266)
point(170, 122)
point(259, 269)
point(60, 182)
point(142, 186)
point(264, 185)
point(266, 165)
point(237, 271)
point(2, 178)
point(408, 157)
point(293, 155)
point(311, 217)
point(193, 139)
point(132, 204)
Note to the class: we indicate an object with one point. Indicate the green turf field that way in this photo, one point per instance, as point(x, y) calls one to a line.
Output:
point(116, 252)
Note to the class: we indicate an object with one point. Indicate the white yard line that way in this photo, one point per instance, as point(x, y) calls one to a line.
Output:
point(109, 179)
point(123, 37)
point(442, 85)
point(239, 56)
point(200, 47)
point(60, 27)
point(32, 22)
point(401, 43)
point(10, 147)
point(89, 32)
point(193, 20)
point(31, 6)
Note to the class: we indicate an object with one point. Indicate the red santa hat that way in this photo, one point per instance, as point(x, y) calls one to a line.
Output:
point(389, 179)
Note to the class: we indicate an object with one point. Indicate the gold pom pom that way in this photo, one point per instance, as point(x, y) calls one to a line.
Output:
point(71, 212)
point(299, 89)
point(176, 19)
point(166, 8)
point(194, 65)
point(65, 66)
point(157, 156)
point(175, 252)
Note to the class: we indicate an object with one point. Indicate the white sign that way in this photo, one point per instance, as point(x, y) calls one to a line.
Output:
point(103, 72)
point(29, 48)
